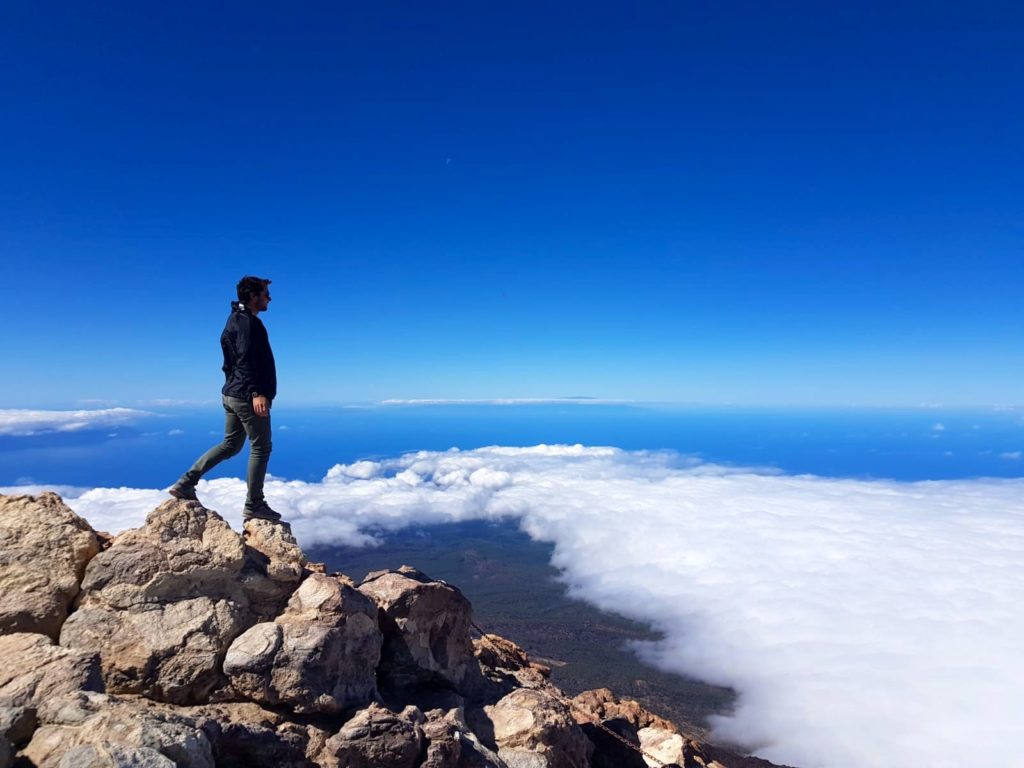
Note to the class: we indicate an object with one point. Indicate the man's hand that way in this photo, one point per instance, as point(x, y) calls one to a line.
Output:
point(261, 405)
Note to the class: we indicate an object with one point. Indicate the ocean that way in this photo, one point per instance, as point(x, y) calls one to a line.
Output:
point(898, 444)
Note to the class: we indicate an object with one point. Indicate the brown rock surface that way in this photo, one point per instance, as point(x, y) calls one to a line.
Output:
point(426, 630)
point(376, 737)
point(163, 603)
point(35, 670)
point(246, 735)
point(90, 725)
point(533, 729)
point(320, 655)
point(44, 548)
point(274, 567)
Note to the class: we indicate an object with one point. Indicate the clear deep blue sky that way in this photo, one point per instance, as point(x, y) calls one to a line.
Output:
point(764, 202)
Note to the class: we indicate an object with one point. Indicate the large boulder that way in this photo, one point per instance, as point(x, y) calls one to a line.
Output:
point(88, 728)
point(536, 730)
point(451, 743)
point(163, 604)
point(507, 665)
point(320, 655)
point(35, 670)
point(44, 548)
point(376, 737)
point(426, 631)
point(246, 735)
point(274, 567)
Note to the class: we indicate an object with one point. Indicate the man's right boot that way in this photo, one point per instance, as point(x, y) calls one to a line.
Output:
point(183, 490)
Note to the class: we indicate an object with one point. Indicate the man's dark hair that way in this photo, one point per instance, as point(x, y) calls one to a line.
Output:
point(250, 286)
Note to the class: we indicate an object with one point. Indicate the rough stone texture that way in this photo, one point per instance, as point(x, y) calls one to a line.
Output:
point(426, 631)
point(17, 724)
point(163, 604)
point(44, 548)
point(245, 735)
point(113, 756)
point(320, 655)
point(507, 665)
point(602, 704)
point(376, 737)
point(34, 670)
point(664, 746)
point(115, 724)
point(452, 744)
point(274, 567)
point(533, 729)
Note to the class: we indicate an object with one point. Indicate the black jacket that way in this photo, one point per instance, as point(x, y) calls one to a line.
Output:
point(248, 360)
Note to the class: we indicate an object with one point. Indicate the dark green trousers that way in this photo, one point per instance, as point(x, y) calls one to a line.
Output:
point(240, 422)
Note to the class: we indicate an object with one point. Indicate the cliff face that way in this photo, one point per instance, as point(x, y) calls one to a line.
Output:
point(184, 643)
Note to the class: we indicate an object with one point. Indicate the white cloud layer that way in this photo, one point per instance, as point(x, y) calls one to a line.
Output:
point(864, 623)
point(24, 422)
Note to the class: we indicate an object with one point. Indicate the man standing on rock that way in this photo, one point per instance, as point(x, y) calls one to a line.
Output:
point(249, 389)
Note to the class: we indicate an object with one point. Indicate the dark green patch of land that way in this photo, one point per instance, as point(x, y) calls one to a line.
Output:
point(516, 593)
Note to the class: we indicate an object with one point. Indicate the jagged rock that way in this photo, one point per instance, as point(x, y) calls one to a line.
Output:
point(108, 755)
point(34, 670)
point(44, 548)
point(96, 726)
point(533, 729)
point(451, 743)
point(320, 655)
point(426, 631)
point(245, 735)
point(506, 664)
point(664, 746)
point(17, 723)
point(163, 604)
point(376, 737)
point(274, 567)
point(602, 704)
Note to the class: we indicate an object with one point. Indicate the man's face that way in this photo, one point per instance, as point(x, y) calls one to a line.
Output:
point(263, 300)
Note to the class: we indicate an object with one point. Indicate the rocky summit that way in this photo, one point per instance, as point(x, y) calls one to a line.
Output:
point(185, 643)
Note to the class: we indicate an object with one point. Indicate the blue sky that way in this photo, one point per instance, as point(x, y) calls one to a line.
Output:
point(761, 203)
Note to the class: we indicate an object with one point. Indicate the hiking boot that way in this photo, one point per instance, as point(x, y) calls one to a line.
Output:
point(261, 511)
point(183, 491)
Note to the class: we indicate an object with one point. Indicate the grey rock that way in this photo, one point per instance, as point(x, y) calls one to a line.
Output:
point(163, 604)
point(426, 631)
point(375, 737)
point(17, 723)
point(6, 752)
point(274, 567)
point(535, 730)
point(114, 726)
point(113, 756)
point(34, 670)
point(245, 735)
point(320, 655)
point(44, 548)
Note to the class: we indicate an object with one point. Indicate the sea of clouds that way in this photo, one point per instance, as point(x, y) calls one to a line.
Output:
point(863, 623)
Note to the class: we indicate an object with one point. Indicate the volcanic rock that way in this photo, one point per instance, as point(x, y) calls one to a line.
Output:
point(44, 548)
point(34, 670)
point(426, 631)
point(375, 737)
point(85, 726)
point(320, 655)
point(532, 728)
point(163, 604)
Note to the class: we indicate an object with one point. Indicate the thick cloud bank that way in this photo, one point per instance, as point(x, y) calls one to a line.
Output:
point(23, 422)
point(863, 623)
